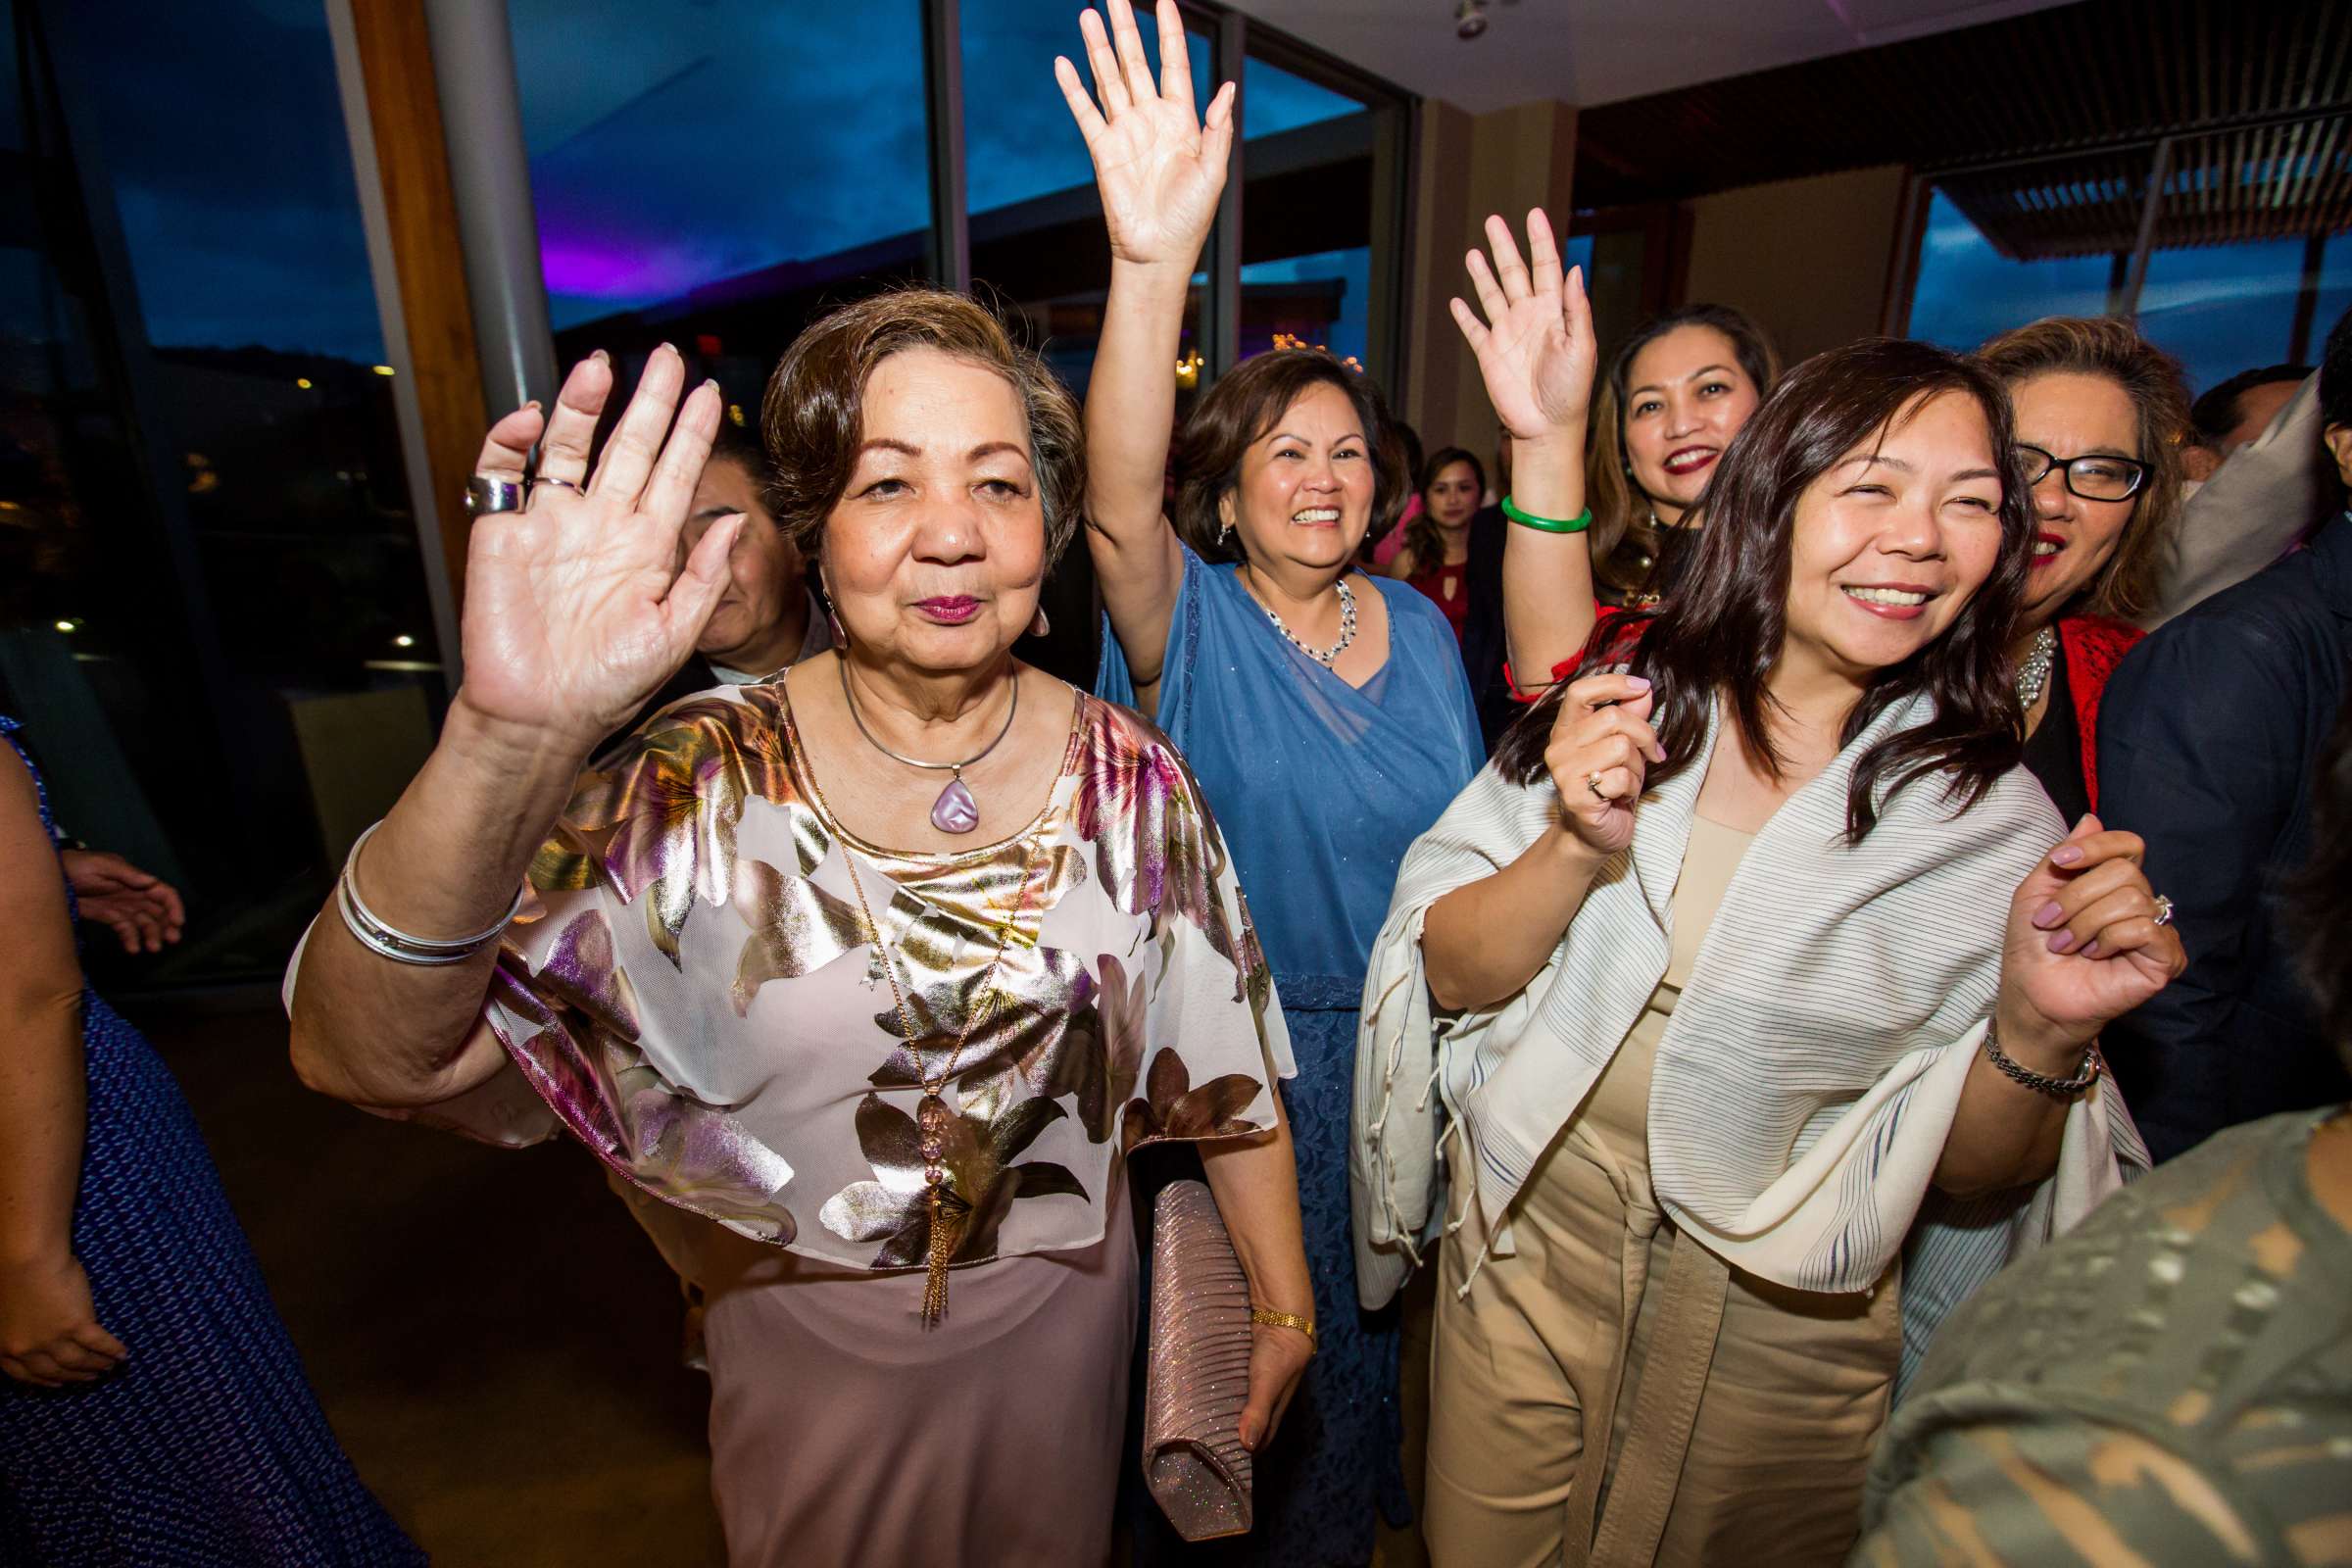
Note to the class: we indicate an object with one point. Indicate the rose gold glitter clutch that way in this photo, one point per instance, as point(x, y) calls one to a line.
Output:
point(1198, 1376)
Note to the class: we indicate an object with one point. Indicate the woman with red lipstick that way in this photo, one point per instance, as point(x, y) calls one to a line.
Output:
point(2100, 415)
point(1751, 942)
point(870, 976)
point(1436, 556)
point(1325, 713)
point(1676, 393)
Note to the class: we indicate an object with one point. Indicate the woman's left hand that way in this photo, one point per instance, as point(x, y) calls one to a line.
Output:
point(1278, 1359)
point(1536, 349)
point(142, 910)
point(2084, 947)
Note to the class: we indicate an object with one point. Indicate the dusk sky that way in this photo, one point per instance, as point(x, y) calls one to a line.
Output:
point(678, 144)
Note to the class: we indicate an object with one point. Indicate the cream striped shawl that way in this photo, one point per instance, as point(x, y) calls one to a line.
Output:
point(1807, 1079)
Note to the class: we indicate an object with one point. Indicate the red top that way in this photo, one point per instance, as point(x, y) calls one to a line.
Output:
point(1448, 588)
point(2092, 645)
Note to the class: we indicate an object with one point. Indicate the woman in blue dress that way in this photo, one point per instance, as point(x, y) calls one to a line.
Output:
point(1324, 713)
point(153, 1411)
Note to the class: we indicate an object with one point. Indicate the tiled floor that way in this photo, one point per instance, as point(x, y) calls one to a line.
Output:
point(492, 1337)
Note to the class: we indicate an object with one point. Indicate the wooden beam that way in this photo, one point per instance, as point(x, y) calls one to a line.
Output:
point(420, 207)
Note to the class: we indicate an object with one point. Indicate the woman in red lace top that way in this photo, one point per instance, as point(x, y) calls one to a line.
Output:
point(2099, 416)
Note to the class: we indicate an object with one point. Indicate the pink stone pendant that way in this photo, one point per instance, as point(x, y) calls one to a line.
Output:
point(955, 812)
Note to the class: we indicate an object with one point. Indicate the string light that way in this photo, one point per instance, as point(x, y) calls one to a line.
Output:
point(303, 381)
point(383, 370)
point(404, 640)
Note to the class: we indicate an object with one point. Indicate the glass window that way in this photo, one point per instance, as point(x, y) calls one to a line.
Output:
point(213, 609)
point(715, 175)
point(2222, 308)
point(2333, 296)
point(1307, 205)
point(1968, 290)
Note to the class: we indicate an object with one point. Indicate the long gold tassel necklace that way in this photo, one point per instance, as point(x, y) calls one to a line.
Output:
point(949, 1214)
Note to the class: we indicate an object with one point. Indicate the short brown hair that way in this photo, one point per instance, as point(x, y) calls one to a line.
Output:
point(1245, 403)
point(814, 413)
point(2113, 351)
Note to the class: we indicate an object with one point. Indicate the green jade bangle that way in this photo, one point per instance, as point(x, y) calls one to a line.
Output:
point(1528, 520)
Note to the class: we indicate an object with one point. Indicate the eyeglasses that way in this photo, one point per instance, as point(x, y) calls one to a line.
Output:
point(2093, 478)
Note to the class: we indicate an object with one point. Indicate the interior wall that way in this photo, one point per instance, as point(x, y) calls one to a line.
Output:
point(1465, 167)
point(1810, 258)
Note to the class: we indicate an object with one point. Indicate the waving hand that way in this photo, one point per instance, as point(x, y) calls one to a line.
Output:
point(1159, 168)
point(1535, 346)
point(575, 607)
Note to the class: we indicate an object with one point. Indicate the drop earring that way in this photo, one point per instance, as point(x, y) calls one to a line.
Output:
point(841, 639)
point(1039, 626)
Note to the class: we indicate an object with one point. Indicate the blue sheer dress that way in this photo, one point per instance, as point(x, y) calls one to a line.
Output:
point(1319, 787)
point(206, 1448)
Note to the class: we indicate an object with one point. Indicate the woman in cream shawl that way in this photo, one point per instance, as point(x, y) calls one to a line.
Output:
point(1752, 935)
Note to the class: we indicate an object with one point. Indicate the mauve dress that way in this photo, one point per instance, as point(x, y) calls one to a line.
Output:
point(694, 995)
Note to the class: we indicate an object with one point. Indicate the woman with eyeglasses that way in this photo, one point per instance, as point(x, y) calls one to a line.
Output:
point(2099, 413)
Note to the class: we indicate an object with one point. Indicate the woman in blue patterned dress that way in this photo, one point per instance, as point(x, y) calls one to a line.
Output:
point(1325, 713)
point(153, 1411)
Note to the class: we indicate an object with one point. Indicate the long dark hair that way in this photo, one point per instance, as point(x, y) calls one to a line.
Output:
point(1422, 535)
point(1722, 628)
point(1626, 549)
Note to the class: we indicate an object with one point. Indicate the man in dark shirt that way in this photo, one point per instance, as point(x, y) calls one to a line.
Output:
point(2207, 739)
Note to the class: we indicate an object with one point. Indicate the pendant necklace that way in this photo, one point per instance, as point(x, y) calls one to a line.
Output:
point(950, 1214)
point(2033, 670)
point(955, 812)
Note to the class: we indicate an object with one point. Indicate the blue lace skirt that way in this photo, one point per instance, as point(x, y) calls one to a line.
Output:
point(1339, 1456)
point(206, 1448)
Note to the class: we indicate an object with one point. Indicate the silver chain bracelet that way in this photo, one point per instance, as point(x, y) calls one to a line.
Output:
point(389, 941)
point(2093, 1064)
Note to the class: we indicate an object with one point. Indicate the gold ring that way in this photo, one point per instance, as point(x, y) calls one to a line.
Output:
point(1593, 783)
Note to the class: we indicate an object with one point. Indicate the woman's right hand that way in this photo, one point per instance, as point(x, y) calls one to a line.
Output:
point(49, 1333)
point(575, 607)
point(1602, 747)
point(1536, 349)
point(1159, 168)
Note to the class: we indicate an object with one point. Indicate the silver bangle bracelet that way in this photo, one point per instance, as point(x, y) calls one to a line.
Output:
point(2041, 1083)
point(389, 941)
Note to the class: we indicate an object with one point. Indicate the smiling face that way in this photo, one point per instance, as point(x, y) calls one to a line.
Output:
point(763, 570)
point(934, 552)
point(1889, 543)
point(1453, 496)
point(1686, 397)
point(2071, 415)
point(1306, 485)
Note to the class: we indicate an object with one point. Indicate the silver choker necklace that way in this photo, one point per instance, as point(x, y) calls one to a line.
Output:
point(955, 812)
point(2033, 672)
point(1325, 657)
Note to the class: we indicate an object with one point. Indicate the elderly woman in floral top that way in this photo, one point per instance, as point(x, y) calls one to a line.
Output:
point(874, 973)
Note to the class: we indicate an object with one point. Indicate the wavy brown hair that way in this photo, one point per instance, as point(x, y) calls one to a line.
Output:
point(1422, 536)
point(1625, 546)
point(814, 420)
point(1720, 633)
point(2113, 351)
point(1249, 401)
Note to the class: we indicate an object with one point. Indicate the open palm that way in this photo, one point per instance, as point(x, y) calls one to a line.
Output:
point(1159, 168)
point(1536, 347)
point(575, 607)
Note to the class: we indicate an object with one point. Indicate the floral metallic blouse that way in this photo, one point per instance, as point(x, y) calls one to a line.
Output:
point(694, 992)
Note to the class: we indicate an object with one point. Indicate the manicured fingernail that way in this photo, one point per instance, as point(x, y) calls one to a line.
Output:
point(669, 348)
point(2063, 942)
point(711, 381)
point(2066, 854)
point(2092, 951)
point(2049, 915)
point(600, 357)
point(533, 403)
point(1641, 683)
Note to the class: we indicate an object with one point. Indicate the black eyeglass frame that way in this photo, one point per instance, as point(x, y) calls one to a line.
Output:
point(2051, 463)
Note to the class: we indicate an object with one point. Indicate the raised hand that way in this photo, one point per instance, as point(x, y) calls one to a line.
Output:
point(1535, 346)
point(1159, 168)
point(142, 910)
point(576, 609)
point(1601, 747)
point(2082, 945)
